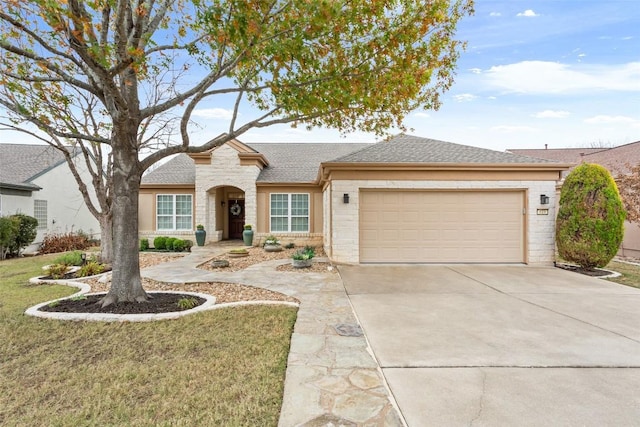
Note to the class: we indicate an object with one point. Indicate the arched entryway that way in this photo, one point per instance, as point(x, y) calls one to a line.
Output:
point(228, 208)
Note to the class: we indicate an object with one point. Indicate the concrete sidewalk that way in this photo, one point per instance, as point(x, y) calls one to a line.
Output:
point(331, 377)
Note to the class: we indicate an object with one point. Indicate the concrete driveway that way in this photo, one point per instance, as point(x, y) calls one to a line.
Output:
point(501, 345)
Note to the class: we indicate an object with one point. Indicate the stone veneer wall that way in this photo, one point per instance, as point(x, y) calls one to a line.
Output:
point(345, 217)
point(224, 170)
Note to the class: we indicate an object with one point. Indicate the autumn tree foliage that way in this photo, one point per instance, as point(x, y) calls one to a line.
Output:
point(629, 187)
point(590, 222)
point(128, 74)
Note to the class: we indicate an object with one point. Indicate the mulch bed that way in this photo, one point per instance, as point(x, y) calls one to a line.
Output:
point(71, 276)
point(158, 303)
point(596, 272)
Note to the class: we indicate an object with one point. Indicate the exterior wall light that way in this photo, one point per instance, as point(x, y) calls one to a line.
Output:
point(345, 198)
point(544, 200)
point(222, 203)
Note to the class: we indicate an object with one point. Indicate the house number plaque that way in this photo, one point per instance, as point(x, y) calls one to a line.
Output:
point(543, 212)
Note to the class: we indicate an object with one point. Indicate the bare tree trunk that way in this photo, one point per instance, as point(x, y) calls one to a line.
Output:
point(106, 239)
point(126, 285)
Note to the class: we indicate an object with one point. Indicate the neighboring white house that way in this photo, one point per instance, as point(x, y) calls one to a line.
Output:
point(35, 180)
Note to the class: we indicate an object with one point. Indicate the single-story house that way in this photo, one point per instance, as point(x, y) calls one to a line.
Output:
point(35, 180)
point(405, 200)
point(618, 160)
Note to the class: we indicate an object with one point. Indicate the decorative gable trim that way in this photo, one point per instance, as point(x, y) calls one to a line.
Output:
point(248, 156)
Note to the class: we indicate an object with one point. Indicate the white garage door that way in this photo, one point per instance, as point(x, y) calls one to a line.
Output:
point(442, 226)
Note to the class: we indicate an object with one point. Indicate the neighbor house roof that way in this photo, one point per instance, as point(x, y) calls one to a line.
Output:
point(21, 163)
point(413, 149)
point(619, 160)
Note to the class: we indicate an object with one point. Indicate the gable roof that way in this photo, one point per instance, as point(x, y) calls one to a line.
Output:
point(21, 163)
point(179, 170)
point(299, 162)
point(413, 149)
point(619, 160)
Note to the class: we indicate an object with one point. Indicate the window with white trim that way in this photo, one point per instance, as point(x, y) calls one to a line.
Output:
point(40, 213)
point(174, 212)
point(289, 212)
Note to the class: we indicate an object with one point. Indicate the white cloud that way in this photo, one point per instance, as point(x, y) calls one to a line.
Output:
point(421, 114)
point(528, 13)
point(492, 97)
point(511, 129)
point(603, 119)
point(464, 97)
point(582, 55)
point(551, 114)
point(475, 70)
point(495, 14)
point(542, 77)
point(214, 113)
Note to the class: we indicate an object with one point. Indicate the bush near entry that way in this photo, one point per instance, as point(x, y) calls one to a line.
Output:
point(590, 223)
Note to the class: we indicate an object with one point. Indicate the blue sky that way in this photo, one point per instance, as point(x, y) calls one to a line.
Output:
point(564, 73)
point(560, 72)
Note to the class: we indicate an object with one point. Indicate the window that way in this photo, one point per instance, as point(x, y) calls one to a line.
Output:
point(174, 212)
point(289, 213)
point(40, 213)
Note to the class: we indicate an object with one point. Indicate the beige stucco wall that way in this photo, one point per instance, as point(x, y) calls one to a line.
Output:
point(630, 246)
point(224, 170)
point(147, 214)
point(344, 238)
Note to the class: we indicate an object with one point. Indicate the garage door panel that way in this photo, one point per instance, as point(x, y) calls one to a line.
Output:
point(441, 226)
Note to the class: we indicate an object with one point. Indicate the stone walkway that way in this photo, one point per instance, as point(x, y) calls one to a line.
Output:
point(332, 378)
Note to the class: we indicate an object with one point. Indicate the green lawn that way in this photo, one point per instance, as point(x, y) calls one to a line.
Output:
point(223, 367)
point(630, 273)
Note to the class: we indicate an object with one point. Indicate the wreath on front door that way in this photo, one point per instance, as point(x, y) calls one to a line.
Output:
point(235, 209)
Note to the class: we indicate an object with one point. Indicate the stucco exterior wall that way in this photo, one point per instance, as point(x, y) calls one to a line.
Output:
point(540, 229)
point(225, 170)
point(66, 210)
point(630, 246)
point(12, 204)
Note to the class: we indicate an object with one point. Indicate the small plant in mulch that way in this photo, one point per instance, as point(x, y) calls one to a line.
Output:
point(187, 303)
point(290, 245)
point(57, 271)
point(304, 254)
point(238, 252)
point(91, 268)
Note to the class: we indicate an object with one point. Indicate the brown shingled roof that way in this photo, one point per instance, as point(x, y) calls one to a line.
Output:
point(619, 160)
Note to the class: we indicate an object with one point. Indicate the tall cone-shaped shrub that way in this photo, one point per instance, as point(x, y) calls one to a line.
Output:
point(590, 223)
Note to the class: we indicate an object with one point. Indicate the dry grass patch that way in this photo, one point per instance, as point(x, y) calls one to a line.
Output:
point(630, 273)
point(224, 367)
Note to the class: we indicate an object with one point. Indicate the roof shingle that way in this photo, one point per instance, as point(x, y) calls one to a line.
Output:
point(21, 163)
point(413, 149)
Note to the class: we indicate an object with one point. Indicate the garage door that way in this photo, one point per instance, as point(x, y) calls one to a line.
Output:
point(442, 226)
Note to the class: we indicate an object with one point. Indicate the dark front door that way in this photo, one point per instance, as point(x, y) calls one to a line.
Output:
point(236, 219)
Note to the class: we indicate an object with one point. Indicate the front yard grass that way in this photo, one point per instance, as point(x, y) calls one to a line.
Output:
point(223, 367)
point(630, 273)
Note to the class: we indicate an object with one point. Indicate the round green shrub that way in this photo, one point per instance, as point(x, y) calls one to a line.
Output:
point(178, 245)
point(169, 243)
point(160, 242)
point(590, 223)
point(144, 244)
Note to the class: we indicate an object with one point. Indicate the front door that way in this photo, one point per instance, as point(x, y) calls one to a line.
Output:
point(236, 219)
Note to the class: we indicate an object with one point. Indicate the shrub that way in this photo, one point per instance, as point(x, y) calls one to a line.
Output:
point(90, 269)
point(9, 227)
point(57, 271)
point(160, 242)
point(188, 244)
point(144, 244)
point(187, 303)
point(27, 232)
point(54, 243)
point(178, 245)
point(290, 245)
point(169, 243)
point(590, 222)
point(71, 258)
point(303, 254)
